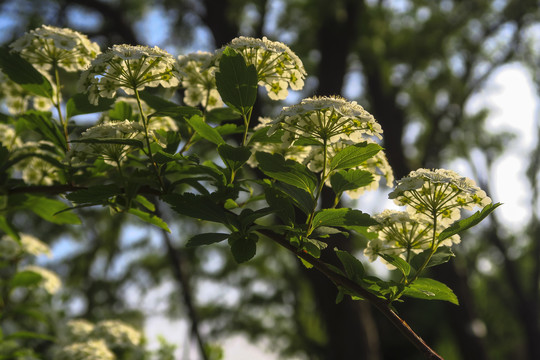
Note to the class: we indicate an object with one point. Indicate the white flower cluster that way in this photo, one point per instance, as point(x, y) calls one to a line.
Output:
point(50, 282)
point(117, 334)
point(278, 67)
point(328, 119)
point(35, 169)
point(403, 234)
point(17, 100)
point(198, 79)
point(8, 136)
point(48, 45)
point(88, 350)
point(105, 337)
point(129, 68)
point(438, 195)
point(111, 153)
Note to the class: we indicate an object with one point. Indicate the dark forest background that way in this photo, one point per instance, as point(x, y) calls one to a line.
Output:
point(414, 65)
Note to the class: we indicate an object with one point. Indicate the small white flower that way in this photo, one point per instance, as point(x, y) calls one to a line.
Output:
point(88, 350)
point(79, 330)
point(128, 68)
point(278, 67)
point(117, 334)
point(9, 248)
point(50, 282)
point(48, 45)
point(33, 246)
point(327, 120)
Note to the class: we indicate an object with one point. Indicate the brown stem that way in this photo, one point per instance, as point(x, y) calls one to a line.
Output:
point(347, 283)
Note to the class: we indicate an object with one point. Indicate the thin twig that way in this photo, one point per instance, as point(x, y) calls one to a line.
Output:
point(347, 283)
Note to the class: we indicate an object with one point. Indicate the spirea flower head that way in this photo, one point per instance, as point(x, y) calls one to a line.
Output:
point(128, 68)
point(327, 119)
point(117, 334)
point(50, 282)
point(9, 248)
point(78, 330)
point(278, 67)
point(33, 246)
point(438, 194)
point(48, 45)
point(111, 153)
point(198, 80)
point(17, 100)
point(88, 350)
point(34, 168)
point(403, 234)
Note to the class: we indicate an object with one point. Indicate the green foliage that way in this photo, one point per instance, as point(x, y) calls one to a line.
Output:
point(24, 74)
point(429, 289)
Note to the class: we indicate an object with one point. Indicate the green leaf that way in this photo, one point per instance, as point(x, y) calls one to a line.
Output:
point(301, 198)
point(150, 218)
point(234, 157)
point(236, 82)
point(79, 105)
point(24, 74)
point(429, 289)
point(287, 171)
point(98, 194)
point(205, 130)
point(469, 222)
point(442, 255)
point(130, 142)
point(353, 156)
point(243, 247)
point(198, 206)
point(50, 210)
point(46, 126)
point(30, 335)
point(222, 114)
point(177, 112)
point(281, 204)
point(8, 228)
point(206, 239)
point(350, 180)
point(156, 102)
point(343, 217)
point(398, 262)
point(353, 267)
point(25, 279)
point(261, 136)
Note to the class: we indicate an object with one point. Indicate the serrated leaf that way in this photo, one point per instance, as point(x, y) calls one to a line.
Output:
point(46, 126)
point(206, 239)
point(243, 247)
point(236, 81)
point(79, 104)
point(94, 195)
point(429, 289)
point(442, 255)
point(222, 114)
point(353, 156)
point(353, 267)
point(350, 180)
point(50, 209)
point(177, 112)
point(469, 222)
point(287, 171)
point(156, 102)
point(234, 157)
point(24, 74)
point(25, 279)
point(398, 262)
point(149, 218)
point(281, 204)
point(205, 130)
point(301, 198)
point(343, 217)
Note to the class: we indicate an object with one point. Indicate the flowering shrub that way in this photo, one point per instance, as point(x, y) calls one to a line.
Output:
point(140, 152)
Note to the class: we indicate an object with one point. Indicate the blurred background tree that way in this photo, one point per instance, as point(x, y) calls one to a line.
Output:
point(415, 65)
